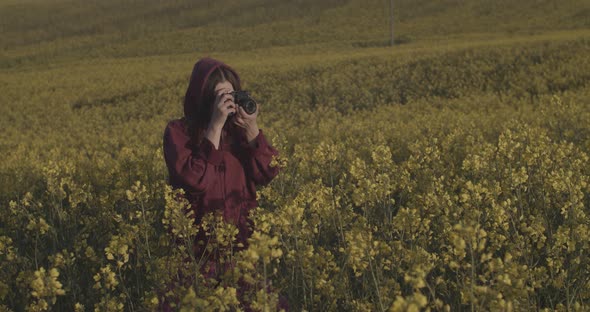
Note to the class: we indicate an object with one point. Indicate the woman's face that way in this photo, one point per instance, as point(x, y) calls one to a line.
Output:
point(224, 86)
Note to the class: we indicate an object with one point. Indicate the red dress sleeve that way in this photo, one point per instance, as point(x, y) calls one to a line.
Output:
point(190, 167)
point(257, 159)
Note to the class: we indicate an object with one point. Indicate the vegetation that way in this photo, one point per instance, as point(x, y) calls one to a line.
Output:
point(449, 172)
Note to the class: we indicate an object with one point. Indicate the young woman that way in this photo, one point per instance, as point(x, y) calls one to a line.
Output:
point(217, 154)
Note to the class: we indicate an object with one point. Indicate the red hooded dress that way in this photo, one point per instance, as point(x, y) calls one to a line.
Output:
point(216, 180)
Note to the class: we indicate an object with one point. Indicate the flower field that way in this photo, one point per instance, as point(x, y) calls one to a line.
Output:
point(448, 173)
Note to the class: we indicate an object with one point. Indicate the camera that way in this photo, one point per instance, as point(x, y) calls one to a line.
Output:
point(242, 98)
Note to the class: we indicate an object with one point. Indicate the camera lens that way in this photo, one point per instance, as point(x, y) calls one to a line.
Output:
point(243, 99)
point(249, 106)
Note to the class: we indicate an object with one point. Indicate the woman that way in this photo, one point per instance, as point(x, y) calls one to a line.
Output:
point(217, 154)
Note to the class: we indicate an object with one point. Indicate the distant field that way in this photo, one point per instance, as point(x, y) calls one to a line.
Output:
point(449, 172)
point(39, 32)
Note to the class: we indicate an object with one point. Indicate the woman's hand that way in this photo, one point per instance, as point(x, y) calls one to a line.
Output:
point(247, 122)
point(222, 107)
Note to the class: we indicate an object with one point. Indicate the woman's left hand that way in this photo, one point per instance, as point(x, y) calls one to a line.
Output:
point(247, 122)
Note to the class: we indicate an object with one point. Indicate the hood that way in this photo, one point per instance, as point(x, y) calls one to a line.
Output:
point(194, 93)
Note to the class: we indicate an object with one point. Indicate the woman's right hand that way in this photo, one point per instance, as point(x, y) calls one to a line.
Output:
point(222, 107)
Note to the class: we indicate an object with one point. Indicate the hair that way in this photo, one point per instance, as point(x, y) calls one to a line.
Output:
point(198, 124)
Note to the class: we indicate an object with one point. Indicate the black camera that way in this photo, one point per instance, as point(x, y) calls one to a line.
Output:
point(242, 98)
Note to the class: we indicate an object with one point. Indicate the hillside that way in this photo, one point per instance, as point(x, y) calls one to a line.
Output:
point(42, 32)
